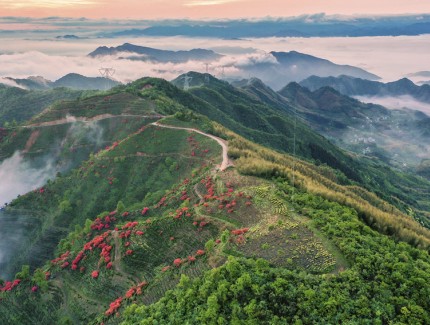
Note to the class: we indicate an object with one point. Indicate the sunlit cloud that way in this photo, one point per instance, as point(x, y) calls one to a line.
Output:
point(196, 3)
point(16, 4)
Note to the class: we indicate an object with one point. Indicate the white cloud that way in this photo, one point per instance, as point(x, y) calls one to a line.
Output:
point(19, 4)
point(10, 83)
point(398, 102)
point(55, 58)
point(17, 177)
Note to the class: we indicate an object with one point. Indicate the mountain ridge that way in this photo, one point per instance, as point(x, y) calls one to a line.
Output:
point(152, 231)
point(158, 55)
point(351, 86)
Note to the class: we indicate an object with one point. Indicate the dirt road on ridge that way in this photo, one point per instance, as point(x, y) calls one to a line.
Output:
point(225, 161)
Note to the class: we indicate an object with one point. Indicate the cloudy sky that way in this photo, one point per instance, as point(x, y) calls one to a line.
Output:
point(197, 9)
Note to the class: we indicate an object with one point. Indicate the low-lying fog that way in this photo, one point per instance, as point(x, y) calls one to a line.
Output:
point(52, 58)
point(398, 102)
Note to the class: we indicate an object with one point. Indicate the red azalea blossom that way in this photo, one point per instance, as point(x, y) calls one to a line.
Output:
point(177, 262)
point(130, 293)
point(191, 259)
point(95, 274)
point(237, 232)
point(200, 252)
point(114, 306)
point(164, 269)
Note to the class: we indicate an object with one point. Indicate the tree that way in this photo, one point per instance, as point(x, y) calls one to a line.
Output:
point(120, 207)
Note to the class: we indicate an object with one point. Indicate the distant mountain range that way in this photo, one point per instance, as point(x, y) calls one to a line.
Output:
point(150, 54)
point(318, 25)
point(276, 69)
point(71, 80)
point(359, 87)
point(295, 66)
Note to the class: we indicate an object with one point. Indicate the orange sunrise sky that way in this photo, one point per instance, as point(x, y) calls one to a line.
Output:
point(201, 9)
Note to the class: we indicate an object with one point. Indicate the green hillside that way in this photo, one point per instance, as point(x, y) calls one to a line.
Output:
point(153, 229)
point(20, 105)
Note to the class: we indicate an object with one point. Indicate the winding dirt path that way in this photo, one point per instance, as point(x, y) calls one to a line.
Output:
point(225, 161)
point(31, 141)
point(73, 119)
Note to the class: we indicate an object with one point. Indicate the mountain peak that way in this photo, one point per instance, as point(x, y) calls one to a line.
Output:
point(157, 55)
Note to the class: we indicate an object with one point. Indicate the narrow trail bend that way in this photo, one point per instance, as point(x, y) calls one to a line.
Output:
point(225, 161)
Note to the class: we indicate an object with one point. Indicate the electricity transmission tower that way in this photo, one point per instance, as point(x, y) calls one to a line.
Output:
point(187, 80)
point(207, 73)
point(107, 73)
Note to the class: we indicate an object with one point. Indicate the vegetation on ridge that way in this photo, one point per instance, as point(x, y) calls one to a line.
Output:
point(156, 234)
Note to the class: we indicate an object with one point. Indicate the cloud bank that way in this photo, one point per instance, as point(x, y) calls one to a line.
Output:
point(54, 58)
point(398, 102)
point(18, 177)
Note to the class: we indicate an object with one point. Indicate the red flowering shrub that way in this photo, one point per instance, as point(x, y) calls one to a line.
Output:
point(200, 252)
point(95, 274)
point(114, 306)
point(237, 232)
point(166, 268)
point(130, 293)
point(62, 258)
point(177, 262)
point(9, 286)
point(191, 259)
